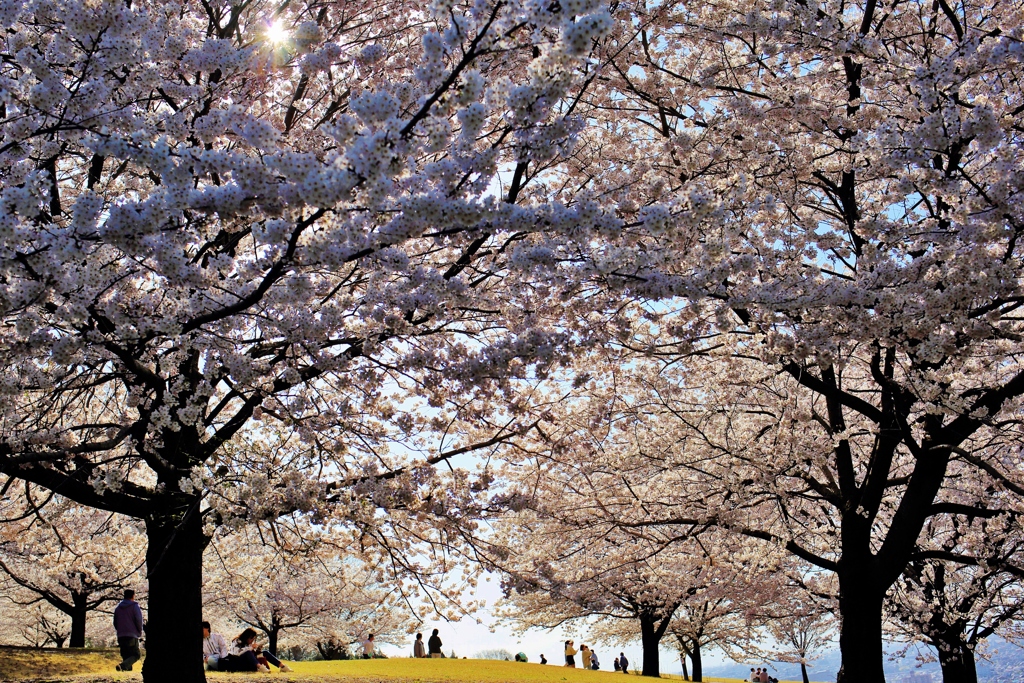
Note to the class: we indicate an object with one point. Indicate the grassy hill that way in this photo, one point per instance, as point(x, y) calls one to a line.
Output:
point(97, 666)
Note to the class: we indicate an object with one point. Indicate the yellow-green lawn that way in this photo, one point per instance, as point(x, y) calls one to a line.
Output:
point(96, 666)
point(26, 663)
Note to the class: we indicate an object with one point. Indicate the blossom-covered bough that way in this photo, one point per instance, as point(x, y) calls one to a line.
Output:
point(237, 239)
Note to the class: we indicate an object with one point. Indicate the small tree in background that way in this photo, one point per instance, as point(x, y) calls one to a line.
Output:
point(74, 559)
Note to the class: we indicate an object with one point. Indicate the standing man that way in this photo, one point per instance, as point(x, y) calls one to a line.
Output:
point(623, 662)
point(434, 645)
point(215, 648)
point(128, 625)
point(419, 650)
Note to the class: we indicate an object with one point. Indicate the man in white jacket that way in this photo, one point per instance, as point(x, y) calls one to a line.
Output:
point(215, 648)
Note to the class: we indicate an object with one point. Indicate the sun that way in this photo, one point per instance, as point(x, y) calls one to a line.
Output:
point(276, 33)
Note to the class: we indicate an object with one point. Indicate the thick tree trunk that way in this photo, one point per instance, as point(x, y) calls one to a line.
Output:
point(803, 672)
point(698, 666)
point(272, 636)
point(174, 561)
point(650, 637)
point(860, 629)
point(956, 660)
point(77, 615)
point(686, 675)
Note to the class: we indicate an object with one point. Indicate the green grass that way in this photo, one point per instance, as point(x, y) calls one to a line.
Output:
point(96, 666)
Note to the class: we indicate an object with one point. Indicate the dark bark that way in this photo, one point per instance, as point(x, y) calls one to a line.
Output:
point(686, 675)
point(174, 559)
point(272, 636)
point(803, 672)
point(860, 631)
point(651, 630)
point(698, 666)
point(78, 615)
point(956, 659)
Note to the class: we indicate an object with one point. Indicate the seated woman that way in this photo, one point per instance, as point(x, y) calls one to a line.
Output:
point(246, 655)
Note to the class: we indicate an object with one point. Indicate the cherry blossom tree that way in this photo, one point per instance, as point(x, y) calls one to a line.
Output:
point(839, 193)
point(568, 559)
point(230, 225)
point(567, 578)
point(801, 619)
point(311, 592)
point(722, 437)
point(36, 625)
point(955, 607)
point(829, 271)
point(839, 188)
point(806, 635)
point(715, 616)
point(72, 558)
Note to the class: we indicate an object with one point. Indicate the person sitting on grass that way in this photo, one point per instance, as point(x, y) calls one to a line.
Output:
point(543, 659)
point(247, 655)
point(215, 648)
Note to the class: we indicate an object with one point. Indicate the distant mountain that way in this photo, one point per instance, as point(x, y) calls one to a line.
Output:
point(1005, 665)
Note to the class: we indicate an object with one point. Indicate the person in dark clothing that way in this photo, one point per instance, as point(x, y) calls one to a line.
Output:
point(623, 663)
point(246, 654)
point(543, 659)
point(128, 625)
point(434, 645)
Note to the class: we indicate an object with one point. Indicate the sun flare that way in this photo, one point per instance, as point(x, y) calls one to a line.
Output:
point(276, 33)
